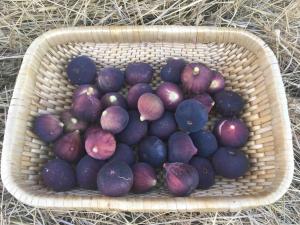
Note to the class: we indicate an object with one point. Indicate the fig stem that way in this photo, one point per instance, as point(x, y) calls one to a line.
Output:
point(74, 120)
point(196, 70)
point(142, 118)
point(61, 124)
point(90, 91)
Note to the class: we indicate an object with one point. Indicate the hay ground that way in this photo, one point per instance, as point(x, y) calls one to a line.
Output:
point(277, 22)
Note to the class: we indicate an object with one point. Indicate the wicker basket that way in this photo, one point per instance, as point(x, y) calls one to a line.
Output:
point(247, 62)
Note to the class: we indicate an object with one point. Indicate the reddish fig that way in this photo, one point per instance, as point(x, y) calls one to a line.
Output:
point(138, 73)
point(124, 153)
point(181, 179)
point(172, 70)
point(110, 79)
point(170, 94)
point(205, 142)
point(228, 103)
point(113, 99)
point(114, 119)
point(89, 90)
point(150, 107)
point(217, 83)
point(205, 100)
point(47, 127)
point(144, 178)
point(135, 93)
point(205, 171)
point(180, 148)
point(164, 126)
point(72, 123)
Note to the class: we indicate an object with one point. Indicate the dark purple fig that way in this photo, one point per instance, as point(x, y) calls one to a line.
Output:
point(231, 132)
point(150, 107)
point(138, 72)
point(180, 148)
point(135, 93)
point(205, 142)
point(230, 162)
point(205, 171)
point(170, 94)
point(217, 83)
point(89, 90)
point(205, 100)
point(69, 147)
point(113, 99)
point(110, 79)
point(47, 127)
point(59, 175)
point(144, 178)
point(115, 179)
point(124, 153)
point(228, 103)
point(196, 78)
point(191, 115)
point(134, 131)
point(114, 119)
point(180, 178)
point(100, 144)
point(164, 126)
point(153, 151)
point(91, 129)
point(81, 70)
point(86, 172)
point(71, 123)
point(172, 70)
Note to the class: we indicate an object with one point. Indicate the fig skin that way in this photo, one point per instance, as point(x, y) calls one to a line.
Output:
point(71, 123)
point(230, 162)
point(91, 129)
point(206, 100)
point(134, 131)
point(150, 107)
point(124, 153)
point(170, 94)
point(47, 127)
point(135, 93)
point(110, 79)
point(59, 175)
point(180, 148)
point(100, 144)
point(89, 90)
point(217, 83)
point(144, 178)
point(229, 103)
point(205, 171)
point(164, 126)
point(231, 132)
point(152, 150)
point(172, 70)
point(114, 119)
point(113, 99)
point(196, 78)
point(86, 172)
point(81, 70)
point(191, 115)
point(138, 72)
point(205, 142)
point(69, 147)
point(115, 179)
point(181, 179)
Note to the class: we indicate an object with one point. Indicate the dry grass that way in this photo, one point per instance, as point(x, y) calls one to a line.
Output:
point(277, 22)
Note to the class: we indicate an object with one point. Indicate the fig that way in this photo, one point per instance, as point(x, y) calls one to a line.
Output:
point(217, 83)
point(69, 147)
point(144, 178)
point(81, 70)
point(230, 162)
point(114, 119)
point(86, 172)
point(180, 178)
point(196, 78)
point(100, 144)
point(89, 90)
point(150, 107)
point(59, 175)
point(172, 70)
point(153, 151)
point(124, 153)
point(180, 148)
point(138, 72)
point(47, 127)
point(113, 99)
point(134, 131)
point(71, 123)
point(231, 132)
point(205, 100)
point(205, 171)
point(115, 179)
point(164, 126)
point(135, 93)
point(110, 79)
point(191, 115)
point(228, 103)
point(205, 142)
point(91, 129)
point(170, 94)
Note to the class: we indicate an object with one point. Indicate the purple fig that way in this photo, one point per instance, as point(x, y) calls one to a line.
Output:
point(205, 142)
point(150, 107)
point(114, 119)
point(205, 171)
point(138, 72)
point(217, 83)
point(110, 79)
point(228, 103)
point(91, 129)
point(113, 99)
point(124, 153)
point(172, 70)
point(205, 100)
point(135, 93)
point(89, 90)
point(170, 94)
point(144, 178)
point(72, 123)
point(164, 126)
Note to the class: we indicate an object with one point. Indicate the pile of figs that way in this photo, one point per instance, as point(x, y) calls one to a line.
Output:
point(118, 144)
